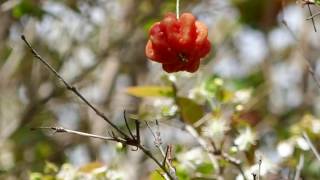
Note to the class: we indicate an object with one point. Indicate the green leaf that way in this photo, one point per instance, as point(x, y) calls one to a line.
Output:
point(251, 81)
point(205, 168)
point(35, 176)
point(155, 176)
point(27, 7)
point(214, 86)
point(150, 91)
point(50, 168)
point(190, 111)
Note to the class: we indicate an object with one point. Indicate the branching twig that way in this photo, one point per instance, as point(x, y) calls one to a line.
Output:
point(71, 88)
point(206, 146)
point(314, 150)
point(307, 60)
point(158, 143)
point(254, 176)
point(69, 131)
point(127, 140)
point(312, 19)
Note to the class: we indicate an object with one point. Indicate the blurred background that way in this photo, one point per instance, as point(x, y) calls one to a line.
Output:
point(255, 84)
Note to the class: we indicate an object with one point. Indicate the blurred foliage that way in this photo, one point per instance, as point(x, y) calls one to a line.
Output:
point(252, 98)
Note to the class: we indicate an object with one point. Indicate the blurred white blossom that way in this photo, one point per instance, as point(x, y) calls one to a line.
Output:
point(245, 139)
point(216, 129)
point(285, 148)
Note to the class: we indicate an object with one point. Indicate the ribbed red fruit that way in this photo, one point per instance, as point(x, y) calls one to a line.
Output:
point(178, 44)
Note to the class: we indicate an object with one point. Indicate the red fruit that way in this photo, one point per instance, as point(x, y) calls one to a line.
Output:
point(178, 44)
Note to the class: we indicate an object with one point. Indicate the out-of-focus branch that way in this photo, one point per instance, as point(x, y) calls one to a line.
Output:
point(128, 140)
point(314, 150)
point(312, 19)
point(158, 144)
point(307, 60)
point(207, 146)
point(299, 168)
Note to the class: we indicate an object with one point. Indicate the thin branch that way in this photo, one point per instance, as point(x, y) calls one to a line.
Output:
point(127, 125)
point(308, 61)
point(69, 131)
point(254, 176)
point(227, 157)
point(259, 169)
point(158, 144)
point(299, 167)
point(138, 131)
point(71, 88)
point(313, 16)
point(312, 19)
point(314, 150)
point(165, 156)
point(235, 162)
point(148, 153)
point(127, 140)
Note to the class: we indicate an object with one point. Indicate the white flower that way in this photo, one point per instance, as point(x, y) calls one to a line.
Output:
point(245, 139)
point(216, 129)
point(192, 158)
point(67, 172)
point(285, 148)
point(315, 126)
point(266, 167)
point(302, 144)
point(242, 96)
point(115, 175)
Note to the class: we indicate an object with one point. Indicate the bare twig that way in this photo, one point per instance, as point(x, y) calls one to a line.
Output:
point(165, 156)
point(299, 167)
point(71, 88)
point(132, 141)
point(138, 131)
point(69, 131)
point(206, 146)
point(313, 16)
point(259, 169)
point(254, 176)
point(312, 19)
point(307, 60)
point(314, 150)
point(127, 125)
point(158, 143)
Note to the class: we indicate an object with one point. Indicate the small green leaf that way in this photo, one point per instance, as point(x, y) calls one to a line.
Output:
point(155, 175)
point(35, 176)
point(190, 111)
point(50, 168)
point(205, 168)
point(27, 7)
point(150, 91)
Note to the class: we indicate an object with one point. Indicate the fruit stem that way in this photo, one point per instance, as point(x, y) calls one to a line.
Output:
point(177, 8)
